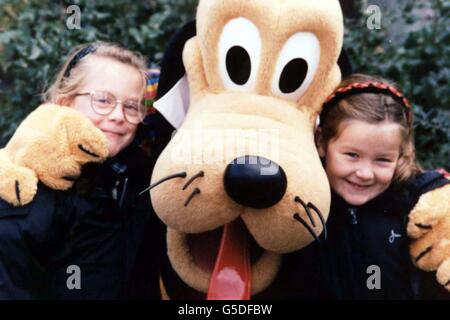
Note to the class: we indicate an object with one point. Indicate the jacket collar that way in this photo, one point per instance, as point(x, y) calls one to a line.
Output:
point(394, 200)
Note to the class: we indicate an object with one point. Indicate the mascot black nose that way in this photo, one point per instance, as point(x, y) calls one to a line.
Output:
point(255, 182)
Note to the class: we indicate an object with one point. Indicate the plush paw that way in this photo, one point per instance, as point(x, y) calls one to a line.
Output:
point(50, 145)
point(61, 176)
point(429, 225)
point(433, 248)
point(82, 143)
point(86, 143)
point(18, 185)
point(429, 210)
point(443, 274)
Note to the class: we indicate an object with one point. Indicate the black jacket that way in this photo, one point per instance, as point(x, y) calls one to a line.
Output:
point(99, 225)
point(371, 239)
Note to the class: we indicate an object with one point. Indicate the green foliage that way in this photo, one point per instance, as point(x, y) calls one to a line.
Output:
point(418, 60)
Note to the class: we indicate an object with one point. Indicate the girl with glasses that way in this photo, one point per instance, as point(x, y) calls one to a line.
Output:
point(85, 242)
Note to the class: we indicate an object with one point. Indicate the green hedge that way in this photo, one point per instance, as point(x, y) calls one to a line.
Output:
point(34, 40)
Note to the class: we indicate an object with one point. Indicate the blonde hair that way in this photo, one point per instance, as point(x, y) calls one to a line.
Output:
point(373, 108)
point(70, 77)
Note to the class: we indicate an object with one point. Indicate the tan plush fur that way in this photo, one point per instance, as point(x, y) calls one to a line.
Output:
point(220, 117)
point(46, 147)
point(429, 224)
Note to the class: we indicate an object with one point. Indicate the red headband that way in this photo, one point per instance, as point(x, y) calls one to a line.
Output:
point(367, 87)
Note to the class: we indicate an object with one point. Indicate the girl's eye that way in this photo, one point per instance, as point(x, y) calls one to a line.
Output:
point(351, 154)
point(132, 106)
point(102, 102)
point(103, 98)
point(384, 160)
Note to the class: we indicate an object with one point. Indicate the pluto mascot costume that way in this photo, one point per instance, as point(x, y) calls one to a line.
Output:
point(247, 183)
point(240, 186)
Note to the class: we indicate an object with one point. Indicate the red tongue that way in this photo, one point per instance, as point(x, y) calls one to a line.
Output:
point(231, 278)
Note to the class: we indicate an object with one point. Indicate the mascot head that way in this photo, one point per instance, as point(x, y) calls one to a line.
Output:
point(241, 182)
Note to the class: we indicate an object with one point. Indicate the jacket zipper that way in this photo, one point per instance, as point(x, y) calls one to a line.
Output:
point(352, 212)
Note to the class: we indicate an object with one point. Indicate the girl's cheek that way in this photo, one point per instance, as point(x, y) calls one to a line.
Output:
point(96, 119)
point(387, 175)
point(87, 111)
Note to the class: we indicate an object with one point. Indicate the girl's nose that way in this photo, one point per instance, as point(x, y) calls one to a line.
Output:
point(117, 113)
point(365, 173)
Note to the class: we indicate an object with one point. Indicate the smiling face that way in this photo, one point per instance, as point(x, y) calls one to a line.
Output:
point(120, 80)
point(361, 161)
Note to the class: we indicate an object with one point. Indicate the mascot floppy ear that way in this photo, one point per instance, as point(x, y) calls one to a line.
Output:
point(172, 97)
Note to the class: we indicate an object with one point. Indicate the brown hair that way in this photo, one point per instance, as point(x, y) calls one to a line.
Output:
point(71, 75)
point(373, 107)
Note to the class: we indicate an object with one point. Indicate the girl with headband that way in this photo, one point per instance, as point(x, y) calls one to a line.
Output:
point(87, 242)
point(365, 139)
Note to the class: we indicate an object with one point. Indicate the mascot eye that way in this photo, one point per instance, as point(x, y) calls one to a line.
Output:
point(296, 66)
point(239, 65)
point(239, 54)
